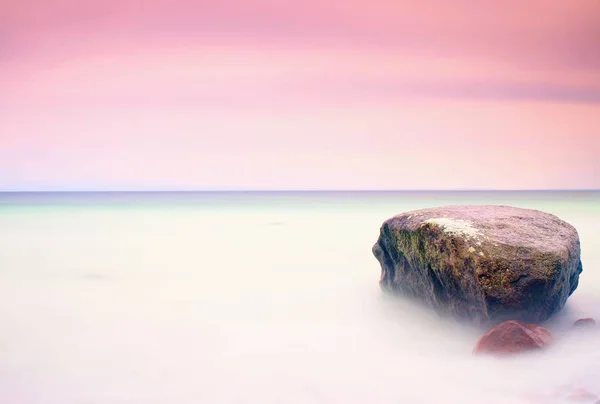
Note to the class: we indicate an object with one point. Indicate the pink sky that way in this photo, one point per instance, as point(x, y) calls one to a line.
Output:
point(265, 94)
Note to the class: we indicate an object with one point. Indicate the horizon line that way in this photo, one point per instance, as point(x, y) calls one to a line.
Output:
point(164, 191)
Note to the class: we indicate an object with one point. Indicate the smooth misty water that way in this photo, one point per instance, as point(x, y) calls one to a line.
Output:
point(252, 298)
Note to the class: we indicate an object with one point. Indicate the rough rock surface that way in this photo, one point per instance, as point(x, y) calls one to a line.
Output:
point(481, 263)
point(512, 337)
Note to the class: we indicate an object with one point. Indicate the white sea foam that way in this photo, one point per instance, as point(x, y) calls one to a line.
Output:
point(212, 305)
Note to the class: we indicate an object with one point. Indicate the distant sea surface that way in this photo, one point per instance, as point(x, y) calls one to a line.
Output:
point(255, 297)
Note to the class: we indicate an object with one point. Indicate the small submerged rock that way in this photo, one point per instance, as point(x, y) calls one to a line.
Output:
point(562, 395)
point(582, 395)
point(511, 337)
point(485, 263)
point(585, 323)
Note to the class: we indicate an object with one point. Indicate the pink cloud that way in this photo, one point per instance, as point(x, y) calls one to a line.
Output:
point(272, 94)
point(234, 76)
point(543, 31)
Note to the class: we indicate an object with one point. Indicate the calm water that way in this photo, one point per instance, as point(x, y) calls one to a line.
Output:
point(253, 298)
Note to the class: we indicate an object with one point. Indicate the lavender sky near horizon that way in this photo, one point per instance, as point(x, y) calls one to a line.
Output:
point(263, 94)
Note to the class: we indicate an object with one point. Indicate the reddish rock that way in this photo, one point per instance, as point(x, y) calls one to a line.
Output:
point(512, 337)
point(585, 322)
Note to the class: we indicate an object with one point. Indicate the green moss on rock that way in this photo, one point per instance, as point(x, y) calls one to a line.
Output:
point(483, 263)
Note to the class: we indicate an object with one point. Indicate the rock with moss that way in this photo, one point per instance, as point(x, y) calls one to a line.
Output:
point(484, 264)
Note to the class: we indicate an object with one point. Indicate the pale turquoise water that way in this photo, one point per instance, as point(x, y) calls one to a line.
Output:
point(251, 298)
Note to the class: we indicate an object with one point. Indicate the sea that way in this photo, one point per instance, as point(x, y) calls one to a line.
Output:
point(257, 297)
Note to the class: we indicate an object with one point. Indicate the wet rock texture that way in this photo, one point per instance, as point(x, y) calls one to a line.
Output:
point(481, 263)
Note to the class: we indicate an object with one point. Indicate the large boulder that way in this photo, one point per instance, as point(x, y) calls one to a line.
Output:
point(481, 263)
point(511, 337)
